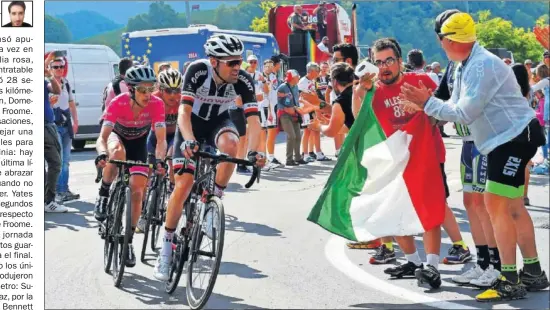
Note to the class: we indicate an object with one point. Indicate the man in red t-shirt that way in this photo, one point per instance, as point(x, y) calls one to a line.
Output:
point(391, 115)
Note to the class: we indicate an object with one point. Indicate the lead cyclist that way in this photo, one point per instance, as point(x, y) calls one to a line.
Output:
point(210, 87)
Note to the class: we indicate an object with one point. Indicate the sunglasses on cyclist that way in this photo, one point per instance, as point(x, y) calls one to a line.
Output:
point(145, 89)
point(231, 63)
point(172, 91)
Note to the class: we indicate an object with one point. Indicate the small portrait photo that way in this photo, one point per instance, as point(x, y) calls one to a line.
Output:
point(17, 14)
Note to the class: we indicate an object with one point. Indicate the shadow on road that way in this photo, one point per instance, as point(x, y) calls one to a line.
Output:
point(298, 173)
point(152, 293)
point(72, 220)
point(232, 223)
point(240, 270)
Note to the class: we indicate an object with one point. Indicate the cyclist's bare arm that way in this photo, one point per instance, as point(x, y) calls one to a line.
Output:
point(254, 131)
point(101, 144)
point(184, 121)
point(161, 148)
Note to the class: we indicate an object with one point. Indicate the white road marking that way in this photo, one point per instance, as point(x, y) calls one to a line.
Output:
point(336, 255)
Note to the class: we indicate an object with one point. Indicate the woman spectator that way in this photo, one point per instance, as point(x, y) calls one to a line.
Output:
point(522, 76)
point(542, 77)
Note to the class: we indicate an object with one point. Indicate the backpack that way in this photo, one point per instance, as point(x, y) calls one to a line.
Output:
point(116, 90)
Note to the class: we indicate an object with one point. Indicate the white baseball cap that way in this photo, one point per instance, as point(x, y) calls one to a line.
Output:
point(435, 64)
point(252, 57)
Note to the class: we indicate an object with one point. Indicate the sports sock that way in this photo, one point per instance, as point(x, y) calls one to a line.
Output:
point(483, 256)
point(461, 243)
point(495, 258)
point(433, 259)
point(389, 245)
point(414, 258)
point(510, 272)
point(532, 266)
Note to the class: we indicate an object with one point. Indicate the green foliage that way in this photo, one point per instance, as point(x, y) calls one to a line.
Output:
point(55, 30)
point(111, 39)
point(260, 24)
point(160, 16)
point(83, 24)
point(497, 32)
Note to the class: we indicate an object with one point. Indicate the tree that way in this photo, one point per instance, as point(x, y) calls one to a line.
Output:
point(56, 31)
point(500, 33)
point(160, 15)
point(261, 24)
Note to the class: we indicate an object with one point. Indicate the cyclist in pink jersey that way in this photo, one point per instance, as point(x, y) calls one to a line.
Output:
point(126, 123)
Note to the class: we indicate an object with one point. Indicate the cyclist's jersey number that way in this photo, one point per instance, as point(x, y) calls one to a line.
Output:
point(208, 100)
point(119, 115)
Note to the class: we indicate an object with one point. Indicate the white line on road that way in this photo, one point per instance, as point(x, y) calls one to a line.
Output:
point(336, 255)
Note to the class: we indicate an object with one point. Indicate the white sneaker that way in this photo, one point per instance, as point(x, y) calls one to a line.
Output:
point(162, 267)
point(488, 277)
point(469, 275)
point(54, 207)
point(141, 225)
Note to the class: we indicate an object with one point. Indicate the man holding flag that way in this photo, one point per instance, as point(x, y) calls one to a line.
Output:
point(388, 180)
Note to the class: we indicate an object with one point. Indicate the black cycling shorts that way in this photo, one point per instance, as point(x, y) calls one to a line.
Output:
point(205, 132)
point(136, 150)
point(507, 162)
point(447, 192)
point(238, 118)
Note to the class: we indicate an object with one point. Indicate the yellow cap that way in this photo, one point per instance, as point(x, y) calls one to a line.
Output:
point(459, 27)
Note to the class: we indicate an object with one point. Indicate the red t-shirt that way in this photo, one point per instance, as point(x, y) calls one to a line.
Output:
point(391, 115)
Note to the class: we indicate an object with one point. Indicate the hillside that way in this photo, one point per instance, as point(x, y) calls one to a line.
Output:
point(112, 38)
point(121, 11)
point(84, 24)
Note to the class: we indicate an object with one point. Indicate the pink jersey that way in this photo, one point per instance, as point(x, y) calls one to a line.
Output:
point(119, 115)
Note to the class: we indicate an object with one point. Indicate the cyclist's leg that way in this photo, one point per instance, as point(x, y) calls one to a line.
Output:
point(151, 146)
point(183, 185)
point(116, 151)
point(170, 140)
point(226, 138)
point(136, 151)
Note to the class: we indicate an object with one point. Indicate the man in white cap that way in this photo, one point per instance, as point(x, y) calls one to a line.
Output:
point(436, 68)
point(323, 46)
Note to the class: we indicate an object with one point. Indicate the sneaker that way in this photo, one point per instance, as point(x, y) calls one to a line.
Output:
point(487, 279)
point(131, 258)
point(302, 162)
point(100, 208)
point(428, 275)
point(276, 162)
point(404, 270)
point(503, 290)
point(323, 158)
point(161, 271)
point(533, 283)
point(369, 245)
point(243, 170)
point(457, 255)
point(526, 201)
point(60, 197)
point(69, 196)
point(292, 163)
point(140, 228)
point(313, 155)
point(308, 159)
point(267, 167)
point(382, 256)
point(469, 275)
point(55, 207)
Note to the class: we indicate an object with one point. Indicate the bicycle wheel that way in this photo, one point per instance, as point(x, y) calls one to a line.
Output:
point(150, 206)
point(179, 255)
point(211, 227)
point(157, 221)
point(123, 237)
point(108, 246)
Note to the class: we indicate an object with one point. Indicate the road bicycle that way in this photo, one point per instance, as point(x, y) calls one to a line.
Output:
point(116, 230)
point(203, 218)
point(157, 197)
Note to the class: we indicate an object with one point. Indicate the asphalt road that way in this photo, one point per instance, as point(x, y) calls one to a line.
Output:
point(273, 257)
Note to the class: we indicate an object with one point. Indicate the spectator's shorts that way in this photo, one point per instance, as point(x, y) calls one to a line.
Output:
point(473, 168)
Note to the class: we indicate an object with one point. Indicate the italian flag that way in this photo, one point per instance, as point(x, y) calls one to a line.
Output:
point(383, 185)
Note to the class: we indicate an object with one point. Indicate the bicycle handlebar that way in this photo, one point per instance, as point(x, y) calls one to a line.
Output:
point(118, 163)
point(227, 159)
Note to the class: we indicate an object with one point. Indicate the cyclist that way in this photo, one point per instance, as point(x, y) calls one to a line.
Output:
point(126, 123)
point(210, 87)
point(170, 82)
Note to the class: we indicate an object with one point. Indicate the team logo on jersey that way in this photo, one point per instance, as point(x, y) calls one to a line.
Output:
point(198, 74)
point(230, 91)
point(246, 82)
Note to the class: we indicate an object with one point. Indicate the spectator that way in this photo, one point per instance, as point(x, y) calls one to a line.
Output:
point(436, 68)
point(52, 147)
point(428, 68)
point(272, 128)
point(164, 66)
point(321, 12)
point(508, 61)
point(288, 113)
point(296, 21)
point(546, 58)
point(66, 119)
point(323, 46)
point(17, 10)
point(543, 83)
point(118, 85)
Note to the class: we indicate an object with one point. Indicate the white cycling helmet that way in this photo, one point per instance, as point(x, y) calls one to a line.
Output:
point(140, 74)
point(224, 45)
point(170, 78)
